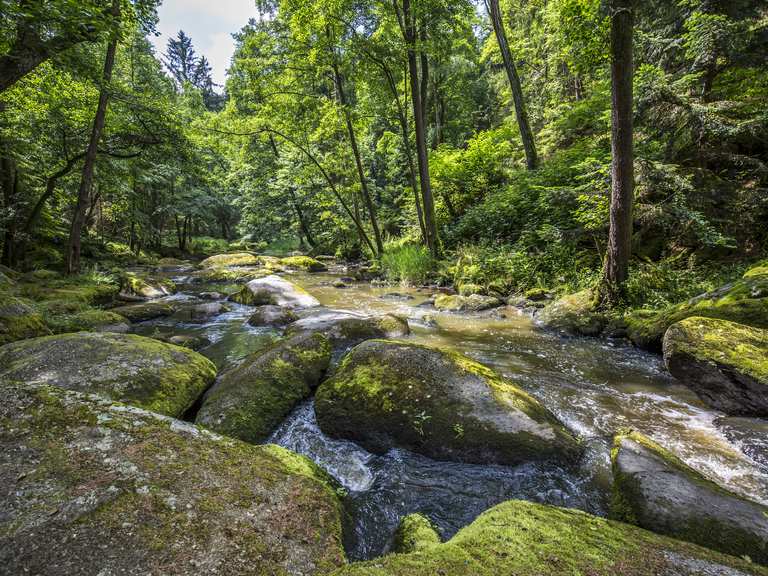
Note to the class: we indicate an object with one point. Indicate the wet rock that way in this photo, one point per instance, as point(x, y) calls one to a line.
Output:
point(473, 303)
point(276, 291)
point(19, 320)
point(202, 312)
point(339, 284)
point(657, 491)
point(397, 296)
point(524, 538)
point(725, 363)
point(187, 341)
point(744, 301)
point(270, 315)
point(234, 259)
point(141, 371)
point(305, 263)
point(91, 487)
point(574, 314)
point(212, 296)
point(468, 289)
point(88, 319)
point(144, 312)
point(415, 532)
point(437, 403)
point(249, 401)
point(218, 275)
point(537, 294)
point(134, 286)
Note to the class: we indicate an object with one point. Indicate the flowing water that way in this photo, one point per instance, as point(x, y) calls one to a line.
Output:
point(594, 386)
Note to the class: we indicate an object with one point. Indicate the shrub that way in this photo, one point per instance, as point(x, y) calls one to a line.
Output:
point(407, 263)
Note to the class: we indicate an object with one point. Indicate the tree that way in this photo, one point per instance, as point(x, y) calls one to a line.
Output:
point(514, 82)
point(180, 59)
point(622, 167)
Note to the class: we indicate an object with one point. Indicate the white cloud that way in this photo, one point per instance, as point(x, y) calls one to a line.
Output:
point(210, 24)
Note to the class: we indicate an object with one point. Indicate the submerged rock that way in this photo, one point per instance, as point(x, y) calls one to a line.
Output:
point(271, 315)
point(19, 320)
point(725, 363)
point(251, 400)
point(527, 539)
point(91, 487)
point(144, 312)
point(437, 403)
point(473, 303)
point(133, 369)
point(574, 314)
point(234, 259)
point(657, 491)
point(276, 291)
point(305, 263)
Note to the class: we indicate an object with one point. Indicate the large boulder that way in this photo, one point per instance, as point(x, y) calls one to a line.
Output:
point(441, 404)
point(128, 368)
point(219, 275)
point(574, 314)
point(19, 320)
point(725, 363)
point(744, 301)
point(657, 491)
point(276, 291)
point(137, 286)
point(305, 263)
point(234, 259)
point(527, 539)
point(145, 311)
point(201, 312)
point(91, 487)
point(471, 303)
point(251, 400)
point(89, 319)
point(271, 315)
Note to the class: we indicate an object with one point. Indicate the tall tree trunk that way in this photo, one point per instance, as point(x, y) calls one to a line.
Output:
point(303, 224)
point(406, 19)
point(622, 169)
point(86, 182)
point(514, 82)
point(9, 177)
point(358, 160)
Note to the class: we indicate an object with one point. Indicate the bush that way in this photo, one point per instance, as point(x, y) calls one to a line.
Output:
point(208, 246)
point(407, 263)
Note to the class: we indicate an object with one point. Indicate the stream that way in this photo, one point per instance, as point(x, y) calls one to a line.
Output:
point(594, 386)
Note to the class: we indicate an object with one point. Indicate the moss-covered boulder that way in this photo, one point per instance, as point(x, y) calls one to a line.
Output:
point(91, 487)
point(574, 314)
point(744, 301)
point(71, 289)
point(276, 291)
point(234, 259)
point(725, 363)
point(218, 275)
point(270, 315)
point(145, 287)
point(145, 311)
point(472, 303)
point(441, 404)
point(469, 289)
point(19, 320)
point(251, 400)
point(305, 263)
point(89, 320)
point(415, 532)
point(526, 539)
point(657, 491)
point(141, 371)
point(346, 329)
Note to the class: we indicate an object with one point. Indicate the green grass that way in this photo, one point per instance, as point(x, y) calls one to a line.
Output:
point(407, 263)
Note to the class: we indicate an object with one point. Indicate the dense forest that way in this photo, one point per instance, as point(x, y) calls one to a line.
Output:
point(542, 195)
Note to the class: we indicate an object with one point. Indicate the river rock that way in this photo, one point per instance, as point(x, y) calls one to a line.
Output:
point(91, 487)
point(472, 303)
point(725, 363)
point(574, 314)
point(19, 320)
point(251, 400)
point(525, 538)
point(219, 275)
point(188, 341)
point(234, 259)
point(271, 315)
point(744, 301)
point(276, 291)
point(415, 532)
point(202, 312)
point(144, 287)
point(128, 368)
point(657, 491)
point(437, 403)
point(145, 311)
point(87, 319)
point(305, 263)
point(211, 296)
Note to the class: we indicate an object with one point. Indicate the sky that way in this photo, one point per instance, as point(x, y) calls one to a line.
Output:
point(210, 24)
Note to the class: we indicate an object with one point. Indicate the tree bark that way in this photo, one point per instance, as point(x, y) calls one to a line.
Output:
point(86, 182)
point(9, 176)
point(622, 169)
point(514, 82)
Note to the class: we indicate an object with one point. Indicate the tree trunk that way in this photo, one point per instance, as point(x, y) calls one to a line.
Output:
point(303, 224)
point(622, 169)
point(10, 185)
point(514, 82)
point(86, 182)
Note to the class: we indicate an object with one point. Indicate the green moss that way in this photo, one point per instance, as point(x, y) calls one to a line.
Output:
point(249, 297)
point(415, 532)
point(450, 302)
point(575, 314)
point(145, 311)
point(759, 270)
point(19, 320)
point(220, 275)
point(142, 285)
point(234, 259)
point(305, 263)
point(526, 539)
point(73, 289)
point(469, 289)
point(537, 294)
point(83, 320)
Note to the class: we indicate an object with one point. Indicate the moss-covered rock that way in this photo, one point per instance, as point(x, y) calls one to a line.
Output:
point(251, 400)
point(188, 341)
point(345, 329)
point(744, 301)
point(145, 311)
point(201, 312)
point(574, 314)
point(537, 294)
point(270, 315)
point(72, 289)
point(19, 320)
point(657, 491)
point(145, 287)
point(219, 275)
point(306, 263)
point(91, 487)
point(472, 303)
point(725, 363)
point(520, 538)
point(276, 291)
point(141, 371)
point(91, 319)
point(234, 259)
point(438, 403)
point(414, 533)
point(469, 289)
